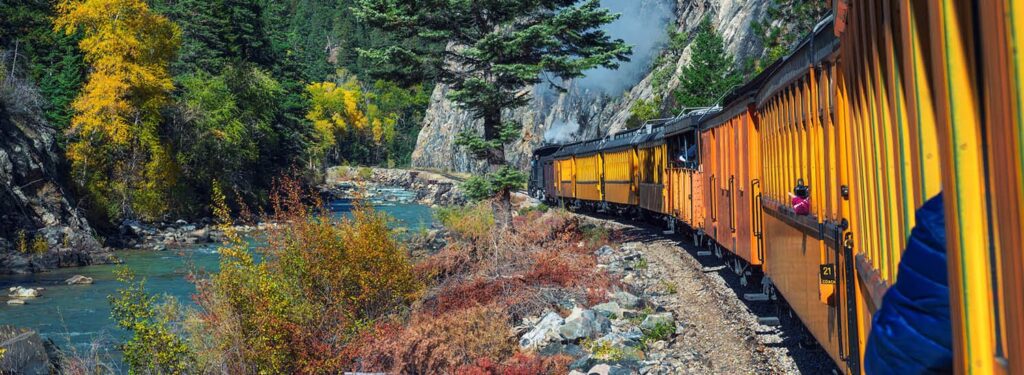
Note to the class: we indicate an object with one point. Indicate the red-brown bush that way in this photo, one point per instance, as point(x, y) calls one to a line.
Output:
point(520, 364)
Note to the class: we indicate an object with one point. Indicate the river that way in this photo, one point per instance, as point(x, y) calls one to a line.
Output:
point(76, 317)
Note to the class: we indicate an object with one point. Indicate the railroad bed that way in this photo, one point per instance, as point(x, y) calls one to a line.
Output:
point(725, 334)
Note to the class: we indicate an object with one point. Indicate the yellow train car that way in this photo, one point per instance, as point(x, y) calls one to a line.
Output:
point(875, 111)
point(589, 167)
point(806, 260)
point(962, 62)
point(734, 136)
point(684, 188)
point(565, 172)
point(621, 185)
point(651, 168)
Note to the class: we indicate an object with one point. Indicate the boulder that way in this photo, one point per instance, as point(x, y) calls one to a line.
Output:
point(654, 320)
point(78, 280)
point(583, 363)
point(606, 369)
point(546, 330)
point(19, 292)
point(584, 324)
point(604, 250)
point(626, 300)
point(26, 352)
point(609, 309)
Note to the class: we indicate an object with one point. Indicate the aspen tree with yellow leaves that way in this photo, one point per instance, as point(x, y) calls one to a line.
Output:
point(342, 108)
point(114, 147)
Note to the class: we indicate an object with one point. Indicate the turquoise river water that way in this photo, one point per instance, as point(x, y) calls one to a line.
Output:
point(76, 317)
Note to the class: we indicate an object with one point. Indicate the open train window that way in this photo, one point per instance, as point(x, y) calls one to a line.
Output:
point(683, 150)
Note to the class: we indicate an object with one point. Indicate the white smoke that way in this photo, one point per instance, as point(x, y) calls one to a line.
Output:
point(643, 25)
point(561, 131)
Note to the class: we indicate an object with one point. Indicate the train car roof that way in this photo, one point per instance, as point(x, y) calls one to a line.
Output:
point(567, 149)
point(546, 150)
point(814, 49)
point(690, 121)
point(631, 137)
point(591, 146)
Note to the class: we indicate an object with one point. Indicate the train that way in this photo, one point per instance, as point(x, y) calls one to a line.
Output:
point(876, 110)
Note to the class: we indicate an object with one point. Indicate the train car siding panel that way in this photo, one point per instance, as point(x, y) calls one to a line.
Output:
point(566, 178)
point(588, 177)
point(619, 177)
point(792, 265)
point(652, 166)
point(1006, 174)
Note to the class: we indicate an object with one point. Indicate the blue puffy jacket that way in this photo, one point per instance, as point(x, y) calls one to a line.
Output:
point(911, 333)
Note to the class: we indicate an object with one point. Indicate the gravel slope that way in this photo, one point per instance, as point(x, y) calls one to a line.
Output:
point(722, 335)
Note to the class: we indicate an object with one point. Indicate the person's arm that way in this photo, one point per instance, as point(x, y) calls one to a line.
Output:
point(912, 333)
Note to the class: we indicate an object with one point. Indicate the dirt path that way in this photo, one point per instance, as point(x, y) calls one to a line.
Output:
point(722, 334)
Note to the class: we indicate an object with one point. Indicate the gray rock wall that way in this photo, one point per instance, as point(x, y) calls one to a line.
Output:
point(33, 203)
point(594, 111)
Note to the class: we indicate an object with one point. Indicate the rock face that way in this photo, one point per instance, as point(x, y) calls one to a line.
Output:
point(25, 352)
point(589, 110)
point(40, 228)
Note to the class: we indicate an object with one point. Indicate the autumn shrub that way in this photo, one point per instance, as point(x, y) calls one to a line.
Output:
point(293, 304)
point(365, 173)
point(440, 344)
point(519, 364)
point(155, 346)
point(472, 222)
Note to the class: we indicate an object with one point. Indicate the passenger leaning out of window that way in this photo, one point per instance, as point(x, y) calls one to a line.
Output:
point(801, 198)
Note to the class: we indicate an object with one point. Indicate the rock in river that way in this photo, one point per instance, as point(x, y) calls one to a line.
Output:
point(78, 280)
point(19, 292)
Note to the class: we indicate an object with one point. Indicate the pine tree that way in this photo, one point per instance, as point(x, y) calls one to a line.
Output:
point(496, 50)
point(219, 33)
point(49, 57)
point(710, 73)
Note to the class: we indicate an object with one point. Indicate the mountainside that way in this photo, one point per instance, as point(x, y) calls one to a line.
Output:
point(598, 104)
point(39, 228)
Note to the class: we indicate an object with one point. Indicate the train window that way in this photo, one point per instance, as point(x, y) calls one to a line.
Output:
point(683, 151)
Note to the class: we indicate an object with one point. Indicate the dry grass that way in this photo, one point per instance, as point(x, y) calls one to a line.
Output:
point(481, 285)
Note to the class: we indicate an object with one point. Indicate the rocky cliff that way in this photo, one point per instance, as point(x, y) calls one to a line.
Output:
point(40, 228)
point(601, 103)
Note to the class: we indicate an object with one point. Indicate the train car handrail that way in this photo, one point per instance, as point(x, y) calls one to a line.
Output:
point(732, 209)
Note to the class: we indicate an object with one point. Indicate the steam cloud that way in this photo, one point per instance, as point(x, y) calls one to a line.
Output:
point(561, 131)
point(642, 25)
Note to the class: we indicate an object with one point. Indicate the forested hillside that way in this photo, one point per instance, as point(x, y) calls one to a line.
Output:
point(663, 34)
point(152, 107)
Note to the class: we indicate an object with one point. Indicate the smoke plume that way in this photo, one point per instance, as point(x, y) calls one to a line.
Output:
point(561, 131)
point(643, 24)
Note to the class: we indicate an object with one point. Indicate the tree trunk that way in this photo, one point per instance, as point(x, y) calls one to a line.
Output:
point(502, 205)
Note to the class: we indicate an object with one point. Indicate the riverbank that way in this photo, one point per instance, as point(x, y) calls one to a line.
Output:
point(77, 317)
point(429, 188)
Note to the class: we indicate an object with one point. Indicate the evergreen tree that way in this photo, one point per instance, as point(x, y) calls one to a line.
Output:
point(219, 33)
point(497, 50)
point(49, 57)
point(710, 74)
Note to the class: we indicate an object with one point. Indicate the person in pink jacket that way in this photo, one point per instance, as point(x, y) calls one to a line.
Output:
point(801, 198)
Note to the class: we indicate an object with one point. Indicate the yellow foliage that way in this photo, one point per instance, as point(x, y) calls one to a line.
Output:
point(115, 150)
point(344, 108)
point(317, 282)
